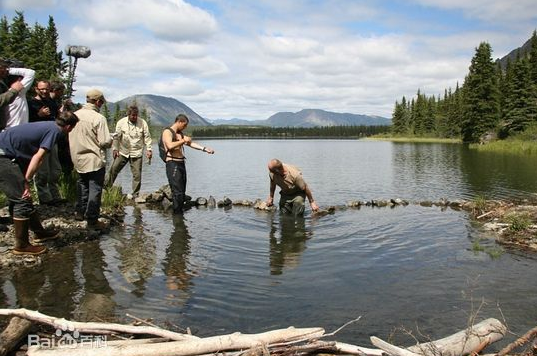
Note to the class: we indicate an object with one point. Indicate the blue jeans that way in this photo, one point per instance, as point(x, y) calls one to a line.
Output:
point(89, 192)
point(176, 173)
point(12, 184)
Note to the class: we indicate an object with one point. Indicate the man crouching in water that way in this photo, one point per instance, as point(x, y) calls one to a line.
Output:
point(293, 191)
point(174, 141)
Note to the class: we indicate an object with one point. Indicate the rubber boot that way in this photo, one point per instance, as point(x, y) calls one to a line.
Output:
point(22, 240)
point(41, 234)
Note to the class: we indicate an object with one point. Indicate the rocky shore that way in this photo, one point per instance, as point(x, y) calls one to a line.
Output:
point(512, 224)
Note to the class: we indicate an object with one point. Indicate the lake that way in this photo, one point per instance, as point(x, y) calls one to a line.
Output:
point(224, 270)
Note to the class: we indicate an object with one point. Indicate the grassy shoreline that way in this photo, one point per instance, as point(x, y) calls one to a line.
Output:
point(411, 139)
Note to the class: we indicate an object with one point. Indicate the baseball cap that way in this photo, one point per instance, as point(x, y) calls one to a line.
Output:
point(95, 94)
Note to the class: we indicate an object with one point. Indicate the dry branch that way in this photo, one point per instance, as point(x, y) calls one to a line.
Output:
point(92, 327)
point(235, 341)
point(519, 342)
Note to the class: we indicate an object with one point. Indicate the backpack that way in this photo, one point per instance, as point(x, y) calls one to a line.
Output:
point(162, 151)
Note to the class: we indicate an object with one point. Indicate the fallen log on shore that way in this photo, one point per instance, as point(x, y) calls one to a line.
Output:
point(16, 330)
point(295, 341)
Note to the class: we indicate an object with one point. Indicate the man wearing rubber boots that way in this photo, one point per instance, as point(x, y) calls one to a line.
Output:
point(22, 150)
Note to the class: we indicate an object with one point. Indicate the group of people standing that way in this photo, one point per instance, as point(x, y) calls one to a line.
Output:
point(42, 135)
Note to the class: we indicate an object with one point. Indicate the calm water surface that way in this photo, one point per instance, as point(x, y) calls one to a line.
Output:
point(220, 271)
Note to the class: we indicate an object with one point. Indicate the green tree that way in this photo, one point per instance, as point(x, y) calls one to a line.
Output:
point(517, 114)
point(144, 114)
point(481, 96)
point(19, 35)
point(4, 37)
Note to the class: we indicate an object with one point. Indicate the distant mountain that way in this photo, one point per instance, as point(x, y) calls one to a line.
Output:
point(163, 110)
point(236, 122)
point(511, 56)
point(311, 118)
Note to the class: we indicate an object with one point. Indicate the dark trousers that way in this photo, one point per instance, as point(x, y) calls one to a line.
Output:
point(89, 192)
point(293, 204)
point(176, 173)
point(12, 184)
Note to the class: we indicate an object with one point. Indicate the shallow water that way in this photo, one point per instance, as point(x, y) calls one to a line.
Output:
point(219, 271)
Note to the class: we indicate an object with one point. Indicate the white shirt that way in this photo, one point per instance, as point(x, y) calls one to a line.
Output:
point(17, 111)
point(131, 138)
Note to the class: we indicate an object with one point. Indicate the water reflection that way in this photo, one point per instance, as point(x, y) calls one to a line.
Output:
point(51, 287)
point(175, 264)
point(285, 249)
point(97, 302)
point(496, 175)
point(137, 252)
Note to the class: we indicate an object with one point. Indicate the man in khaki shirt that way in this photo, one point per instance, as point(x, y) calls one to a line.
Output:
point(132, 134)
point(293, 188)
point(87, 143)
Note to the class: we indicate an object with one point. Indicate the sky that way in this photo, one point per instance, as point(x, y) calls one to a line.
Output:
point(251, 59)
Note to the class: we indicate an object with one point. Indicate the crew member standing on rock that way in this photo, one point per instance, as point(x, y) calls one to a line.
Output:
point(293, 191)
point(174, 141)
point(22, 150)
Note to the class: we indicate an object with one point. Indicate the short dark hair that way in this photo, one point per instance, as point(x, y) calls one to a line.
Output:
point(57, 85)
point(181, 118)
point(67, 118)
point(132, 108)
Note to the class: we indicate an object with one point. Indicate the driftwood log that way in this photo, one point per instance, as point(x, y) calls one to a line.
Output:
point(296, 341)
point(16, 330)
point(235, 341)
point(94, 328)
point(462, 343)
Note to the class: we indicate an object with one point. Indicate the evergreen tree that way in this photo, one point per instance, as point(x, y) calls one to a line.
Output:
point(117, 114)
point(51, 57)
point(398, 125)
point(35, 52)
point(420, 114)
point(4, 37)
point(146, 115)
point(19, 35)
point(517, 104)
point(481, 96)
point(106, 113)
point(532, 110)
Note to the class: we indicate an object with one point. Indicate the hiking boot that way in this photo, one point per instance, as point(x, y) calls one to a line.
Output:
point(97, 225)
point(29, 250)
point(22, 243)
point(41, 234)
point(79, 216)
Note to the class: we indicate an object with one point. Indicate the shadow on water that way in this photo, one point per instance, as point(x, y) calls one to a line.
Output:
point(287, 246)
point(137, 252)
point(175, 264)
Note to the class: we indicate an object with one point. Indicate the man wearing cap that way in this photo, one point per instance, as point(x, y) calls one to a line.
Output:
point(87, 143)
point(7, 94)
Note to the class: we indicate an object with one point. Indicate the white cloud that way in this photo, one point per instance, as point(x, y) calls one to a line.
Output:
point(490, 10)
point(26, 4)
point(173, 20)
point(286, 47)
point(251, 59)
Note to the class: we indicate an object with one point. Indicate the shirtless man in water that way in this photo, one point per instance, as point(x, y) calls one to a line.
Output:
point(175, 159)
